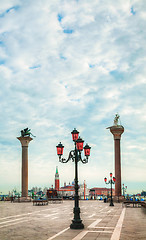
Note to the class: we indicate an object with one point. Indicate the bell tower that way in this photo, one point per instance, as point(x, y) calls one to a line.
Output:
point(57, 180)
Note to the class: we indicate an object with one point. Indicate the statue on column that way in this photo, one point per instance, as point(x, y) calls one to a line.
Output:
point(26, 133)
point(116, 120)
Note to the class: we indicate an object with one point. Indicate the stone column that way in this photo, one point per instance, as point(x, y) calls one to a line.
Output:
point(24, 142)
point(117, 132)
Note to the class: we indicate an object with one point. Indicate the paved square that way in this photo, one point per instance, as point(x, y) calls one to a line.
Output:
point(24, 221)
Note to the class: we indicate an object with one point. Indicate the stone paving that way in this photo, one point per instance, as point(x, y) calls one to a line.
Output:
point(20, 221)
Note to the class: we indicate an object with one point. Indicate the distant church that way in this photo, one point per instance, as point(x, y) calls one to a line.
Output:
point(69, 190)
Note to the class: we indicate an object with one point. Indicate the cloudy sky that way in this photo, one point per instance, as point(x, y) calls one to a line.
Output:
point(72, 64)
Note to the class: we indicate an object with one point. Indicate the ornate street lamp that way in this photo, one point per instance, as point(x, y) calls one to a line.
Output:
point(124, 188)
point(111, 181)
point(75, 156)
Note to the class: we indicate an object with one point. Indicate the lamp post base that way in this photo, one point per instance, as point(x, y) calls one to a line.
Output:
point(77, 224)
point(111, 204)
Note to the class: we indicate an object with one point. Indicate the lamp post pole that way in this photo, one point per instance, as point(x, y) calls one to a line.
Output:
point(111, 203)
point(124, 189)
point(84, 191)
point(76, 222)
point(111, 181)
point(75, 156)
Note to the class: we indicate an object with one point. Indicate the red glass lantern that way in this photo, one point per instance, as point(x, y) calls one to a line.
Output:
point(60, 149)
point(114, 179)
point(105, 179)
point(111, 175)
point(87, 150)
point(75, 134)
point(80, 144)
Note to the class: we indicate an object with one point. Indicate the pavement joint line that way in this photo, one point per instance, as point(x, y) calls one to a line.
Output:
point(16, 216)
point(92, 225)
point(110, 210)
point(17, 219)
point(56, 235)
point(80, 235)
point(41, 214)
point(84, 232)
point(24, 214)
point(117, 230)
point(20, 215)
point(14, 223)
point(98, 212)
point(100, 231)
point(105, 227)
point(54, 218)
point(103, 209)
point(114, 215)
point(92, 215)
point(49, 215)
point(93, 219)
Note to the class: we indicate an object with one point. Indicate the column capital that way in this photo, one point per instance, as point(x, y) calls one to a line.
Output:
point(116, 131)
point(24, 141)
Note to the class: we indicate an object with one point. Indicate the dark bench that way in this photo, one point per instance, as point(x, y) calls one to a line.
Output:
point(55, 200)
point(39, 202)
point(143, 207)
point(134, 203)
point(143, 204)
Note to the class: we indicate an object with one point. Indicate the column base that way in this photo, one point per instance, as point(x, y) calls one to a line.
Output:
point(23, 199)
point(118, 199)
